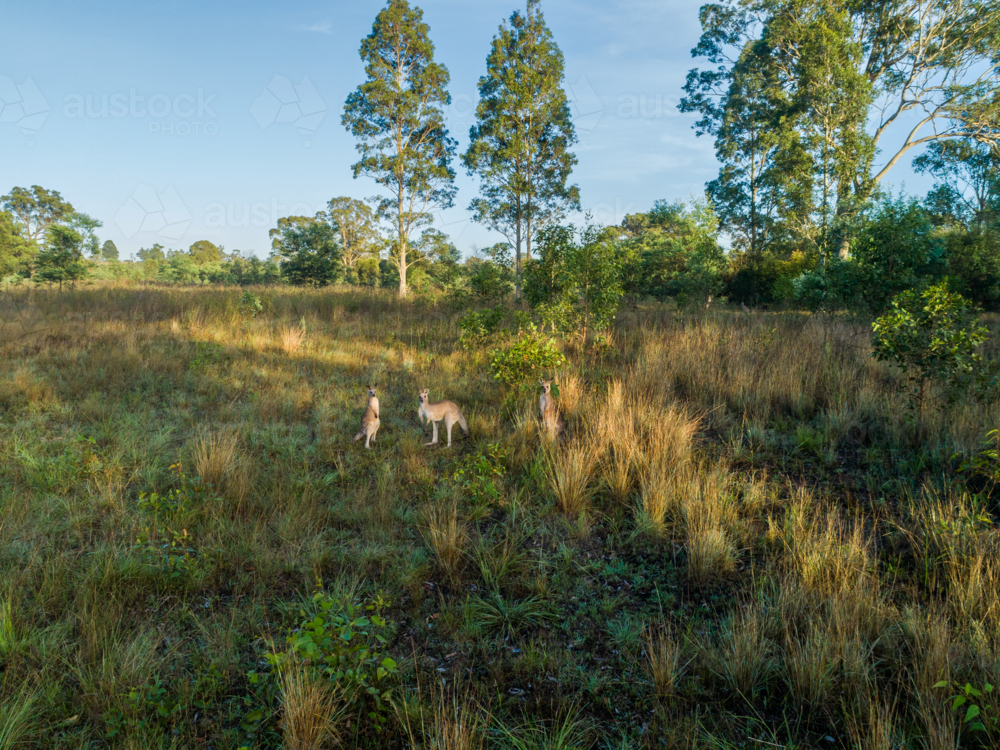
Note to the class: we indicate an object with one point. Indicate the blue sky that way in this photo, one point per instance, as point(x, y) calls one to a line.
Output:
point(175, 122)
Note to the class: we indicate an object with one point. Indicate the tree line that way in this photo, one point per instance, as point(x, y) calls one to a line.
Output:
point(802, 99)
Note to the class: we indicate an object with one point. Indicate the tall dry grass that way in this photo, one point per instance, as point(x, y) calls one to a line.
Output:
point(453, 723)
point(312, 708)
point(291, 339)
point(663, 661)
point(444, 533)
point(570, 470)
point(222, 465)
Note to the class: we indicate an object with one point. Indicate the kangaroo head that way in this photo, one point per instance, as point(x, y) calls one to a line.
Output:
point(371, 390)
point(546, 385)
point(423, 395)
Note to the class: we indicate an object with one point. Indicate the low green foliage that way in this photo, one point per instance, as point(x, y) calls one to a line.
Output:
point(346, 642)
point(985, 462)
point(967, 696)
point(481, 475)
point(250, 305)
point(189, 494)
point(933, 337)
point(479, 328)
point(530, 356)
point(208, 353)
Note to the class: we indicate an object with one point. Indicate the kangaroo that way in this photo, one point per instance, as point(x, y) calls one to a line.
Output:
point(552, 420)
point(370, 421)
point(442, 410)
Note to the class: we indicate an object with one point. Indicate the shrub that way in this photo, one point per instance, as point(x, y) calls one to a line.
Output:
point(523, 361)
point(481, 476)
point(576, 283)
point(895, 249)
point(491, 280)
point(479, 327)
point(932, 336)
point(250, 305)
point(344, 643)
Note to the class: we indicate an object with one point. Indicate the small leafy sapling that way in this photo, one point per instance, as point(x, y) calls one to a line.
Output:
point(345, 643)
point(522, 362)
point(250, 305)
point(933, 336)
point(975, 719)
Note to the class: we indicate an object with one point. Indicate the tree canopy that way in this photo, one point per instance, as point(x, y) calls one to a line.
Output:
point(62, 258)
point(36, 209)
point(307, 251)
point(806, 93)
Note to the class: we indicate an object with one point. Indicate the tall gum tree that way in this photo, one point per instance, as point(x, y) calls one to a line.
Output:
point(520, 143)
point(853, 86)
point(397, 117)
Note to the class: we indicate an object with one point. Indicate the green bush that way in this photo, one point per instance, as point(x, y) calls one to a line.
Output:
point(491, 280)
point(526, 359)
point(345, 643)
point(481, 476)
point(250, 305)
point(933, 337)
point(478, 328)
point(576, 284)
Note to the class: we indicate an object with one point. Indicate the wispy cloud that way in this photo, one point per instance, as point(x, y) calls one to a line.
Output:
point(323, 27)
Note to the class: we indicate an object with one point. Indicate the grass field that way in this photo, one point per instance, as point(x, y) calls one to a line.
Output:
point(741, 541)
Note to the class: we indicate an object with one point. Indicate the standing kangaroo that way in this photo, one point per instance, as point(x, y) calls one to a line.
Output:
point(552, 420)
point(370, 421)
point(442, 410)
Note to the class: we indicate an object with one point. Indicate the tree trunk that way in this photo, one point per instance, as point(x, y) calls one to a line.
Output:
point(402, 246)
point(527, 253)
point(517, 264)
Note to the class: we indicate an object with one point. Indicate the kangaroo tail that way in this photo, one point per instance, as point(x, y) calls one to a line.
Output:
point(463, 424)
point(359, 436)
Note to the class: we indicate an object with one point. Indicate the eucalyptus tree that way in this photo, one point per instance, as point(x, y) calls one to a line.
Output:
point(969, 172)
point(36, 209)
point(357, 225)
point(397, 117)
point(16, 251)
point(520, 143)
point(837, 84)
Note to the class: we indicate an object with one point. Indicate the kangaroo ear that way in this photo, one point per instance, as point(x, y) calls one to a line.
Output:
point(375, 386)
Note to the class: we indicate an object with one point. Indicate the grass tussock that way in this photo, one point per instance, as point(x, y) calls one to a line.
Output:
point(452, 723)
point(445, 535)
point(569, 470)
point(291, 339)
point(311, 709)
point(663, 661)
